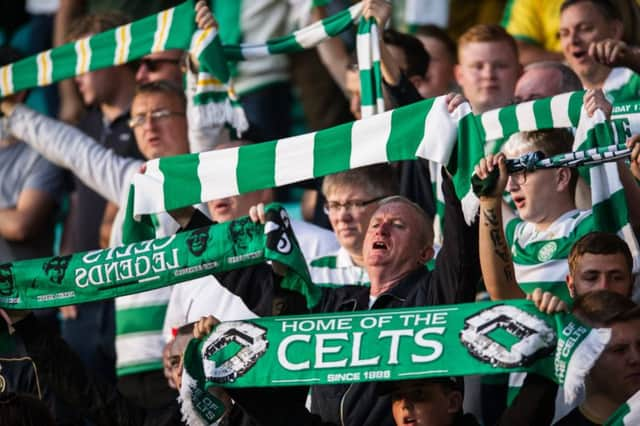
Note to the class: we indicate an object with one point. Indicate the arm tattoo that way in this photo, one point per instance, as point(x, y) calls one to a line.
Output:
point(500, 247)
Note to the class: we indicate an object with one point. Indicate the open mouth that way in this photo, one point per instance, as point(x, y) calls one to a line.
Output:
point(221, 205)
point(379, 245)
point(579, 54)
point(408, 420)
point(519, 202)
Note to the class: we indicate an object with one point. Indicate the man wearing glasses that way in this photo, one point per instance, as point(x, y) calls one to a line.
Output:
point(352, 198)
point(159, 124)
point(165, 65)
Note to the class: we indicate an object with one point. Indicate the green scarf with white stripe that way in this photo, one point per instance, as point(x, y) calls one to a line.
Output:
point(368, 50)
point(173, 28)
point(422, 129)
point(142, 266)
point(388, 345)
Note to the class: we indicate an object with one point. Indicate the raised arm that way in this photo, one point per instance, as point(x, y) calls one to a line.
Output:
point(495, 258)
point(100, 168)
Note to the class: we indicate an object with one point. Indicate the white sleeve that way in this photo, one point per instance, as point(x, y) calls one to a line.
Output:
point(99, 168)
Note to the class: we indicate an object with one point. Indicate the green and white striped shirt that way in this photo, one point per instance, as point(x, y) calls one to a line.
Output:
point(337, 270)
point(540, 257)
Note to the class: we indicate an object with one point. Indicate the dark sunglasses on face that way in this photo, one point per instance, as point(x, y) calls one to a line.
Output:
point(154, 65)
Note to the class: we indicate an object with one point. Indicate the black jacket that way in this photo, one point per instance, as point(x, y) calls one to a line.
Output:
point(453, 280)
point(95, 399)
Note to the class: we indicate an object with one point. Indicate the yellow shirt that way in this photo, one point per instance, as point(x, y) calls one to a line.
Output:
point(534, 21)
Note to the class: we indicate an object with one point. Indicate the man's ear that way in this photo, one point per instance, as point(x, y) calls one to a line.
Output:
point(426, 254)
point(454, 402)
point(417, 81)
point(458, 74)
point(563, 179)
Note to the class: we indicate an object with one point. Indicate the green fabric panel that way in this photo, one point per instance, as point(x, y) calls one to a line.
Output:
point(575, 106)
point(284, 44)
point(25, 73)
point(64, 62)
point(508, 121)
point(185, 184)
point(143, 37)
point(510, 229)
point(107, 48)
point(527, 39)
point(324, 262)
point(139, 368)
point(506, 17)
point(404, 139)
point(258, 160)
point(366, 87)
point(182, 27)
point(611, 214)
point(332, 150)
point(140, 320)
point(542, 112)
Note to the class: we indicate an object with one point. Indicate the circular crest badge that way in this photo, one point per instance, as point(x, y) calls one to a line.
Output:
point(3, 384)
point(547, 251)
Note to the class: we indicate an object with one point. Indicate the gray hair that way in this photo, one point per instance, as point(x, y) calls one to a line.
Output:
point(569, 81)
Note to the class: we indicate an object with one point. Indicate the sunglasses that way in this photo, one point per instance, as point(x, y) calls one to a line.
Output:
point(154, 65)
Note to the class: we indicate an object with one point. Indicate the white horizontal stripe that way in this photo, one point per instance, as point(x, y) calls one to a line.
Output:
point(311, 35)
point(255, 51)
point(560, 110)
point(217, 173)
point(294, 159)
point(491, 125)
point(440, 131)
point(138, 348)
point(369, 140)
point(150, 182)
point(555, 270)
point(338, 276)
point(526, 117)
point(157, 297)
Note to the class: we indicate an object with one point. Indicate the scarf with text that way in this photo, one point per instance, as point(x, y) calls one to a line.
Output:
point(134, 268)
point(388, 345)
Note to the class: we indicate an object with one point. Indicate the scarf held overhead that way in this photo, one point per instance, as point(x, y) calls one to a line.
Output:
point(138, 267)
point(395, 344)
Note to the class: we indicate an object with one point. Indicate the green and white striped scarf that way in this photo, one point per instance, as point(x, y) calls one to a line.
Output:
point(173, 28)
point(368, 50)
point(628, 414)
point(305, 38)
point(423, 129)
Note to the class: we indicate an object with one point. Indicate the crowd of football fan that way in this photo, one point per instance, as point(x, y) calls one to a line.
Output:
point(68, 158)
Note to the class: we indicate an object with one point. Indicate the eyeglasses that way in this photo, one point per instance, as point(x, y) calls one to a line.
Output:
point(333, 207)
point(158, 115)
point(519, 178)
point(154, 65)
